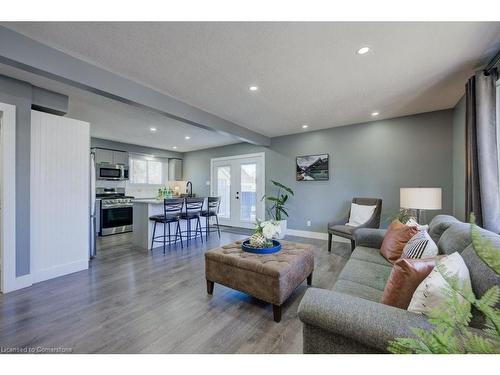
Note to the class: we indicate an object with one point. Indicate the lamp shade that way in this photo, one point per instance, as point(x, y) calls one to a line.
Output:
point(420, 198)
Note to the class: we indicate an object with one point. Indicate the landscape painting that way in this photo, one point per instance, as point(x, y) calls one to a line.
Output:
point(312, 168)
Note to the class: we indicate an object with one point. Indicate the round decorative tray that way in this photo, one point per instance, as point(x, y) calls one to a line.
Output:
point(245, 246)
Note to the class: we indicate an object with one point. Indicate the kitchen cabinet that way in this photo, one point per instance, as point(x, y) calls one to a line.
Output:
point(103, 155)
point(120, 157)
point(174, 169)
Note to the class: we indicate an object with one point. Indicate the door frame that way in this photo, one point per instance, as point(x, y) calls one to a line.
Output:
point(243, 156)
point(8, 280)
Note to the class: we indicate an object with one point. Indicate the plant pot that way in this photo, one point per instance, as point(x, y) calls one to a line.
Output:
point(283, 230)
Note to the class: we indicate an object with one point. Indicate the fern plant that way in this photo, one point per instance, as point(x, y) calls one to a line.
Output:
point(403, 215)
point(277, 209)
point(451, 319)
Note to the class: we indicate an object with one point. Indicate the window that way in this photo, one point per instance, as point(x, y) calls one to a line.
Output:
point(145, 171)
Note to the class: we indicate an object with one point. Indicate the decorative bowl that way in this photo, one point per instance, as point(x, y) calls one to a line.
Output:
point(245, 246)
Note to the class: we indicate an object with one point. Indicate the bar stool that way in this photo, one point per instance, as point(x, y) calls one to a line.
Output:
point(213, 205)
point(172, 209)
point(192, 211)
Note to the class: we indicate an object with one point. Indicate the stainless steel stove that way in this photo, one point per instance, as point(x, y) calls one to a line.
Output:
point(116, 211)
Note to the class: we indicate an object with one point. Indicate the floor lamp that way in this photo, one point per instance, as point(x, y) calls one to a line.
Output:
point(420, 199)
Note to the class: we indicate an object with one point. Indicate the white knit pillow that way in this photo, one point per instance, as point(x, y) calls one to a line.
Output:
point(360, 214)
point(420, 246)
point(432, 291)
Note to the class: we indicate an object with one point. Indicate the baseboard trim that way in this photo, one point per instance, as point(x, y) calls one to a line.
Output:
point(315, 235)
point(60, 270)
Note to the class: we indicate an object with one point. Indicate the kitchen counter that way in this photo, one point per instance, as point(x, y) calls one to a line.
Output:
point(142, 233)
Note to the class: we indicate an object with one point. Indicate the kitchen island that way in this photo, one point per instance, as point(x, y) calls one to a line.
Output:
point(143, 227)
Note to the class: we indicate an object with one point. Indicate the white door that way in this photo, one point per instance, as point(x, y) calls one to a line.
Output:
point(240, 182)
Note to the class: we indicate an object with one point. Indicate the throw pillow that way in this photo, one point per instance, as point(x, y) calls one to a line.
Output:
point(360, 214)
point(432, 292)
point(413, 223)
point(405, 277)
point(395, 240)
point(420, 246)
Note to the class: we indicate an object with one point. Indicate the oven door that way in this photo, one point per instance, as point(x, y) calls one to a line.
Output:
point(109, 172)
point(116, 219)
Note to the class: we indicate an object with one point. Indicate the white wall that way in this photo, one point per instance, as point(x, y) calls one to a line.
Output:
point(60, 188)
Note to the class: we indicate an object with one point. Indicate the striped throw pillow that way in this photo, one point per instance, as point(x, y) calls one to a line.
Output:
point(420, 246)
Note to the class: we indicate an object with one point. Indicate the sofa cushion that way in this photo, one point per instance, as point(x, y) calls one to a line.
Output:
point(369, 254)
point(406, 276)
point(439, 224)
point(358, 290)
point(366, 273)
point(455, 238)
point(395, 240)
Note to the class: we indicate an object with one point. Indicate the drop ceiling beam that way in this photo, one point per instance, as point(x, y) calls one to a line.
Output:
point(27, 54)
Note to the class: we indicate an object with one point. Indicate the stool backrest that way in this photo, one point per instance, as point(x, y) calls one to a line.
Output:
point(213, 204)
point(193, 205)
point(173, 206)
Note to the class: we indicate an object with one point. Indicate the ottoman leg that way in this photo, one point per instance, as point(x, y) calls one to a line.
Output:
point(310, 279)
point(277, 313)
point(210, 287)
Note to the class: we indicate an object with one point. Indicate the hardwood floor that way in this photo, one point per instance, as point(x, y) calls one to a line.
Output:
point(130, 301)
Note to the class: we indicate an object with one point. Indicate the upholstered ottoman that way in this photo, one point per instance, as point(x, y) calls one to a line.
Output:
point(270, 278)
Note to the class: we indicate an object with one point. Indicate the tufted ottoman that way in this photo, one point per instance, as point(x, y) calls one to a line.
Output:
point(270, 278)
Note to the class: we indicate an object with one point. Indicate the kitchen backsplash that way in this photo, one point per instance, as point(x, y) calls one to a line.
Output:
point(142, 191)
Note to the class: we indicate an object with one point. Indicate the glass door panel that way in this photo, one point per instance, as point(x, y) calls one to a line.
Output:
point(223, 190)
point(248, 188)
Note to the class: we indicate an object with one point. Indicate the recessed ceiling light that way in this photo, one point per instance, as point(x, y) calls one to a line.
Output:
point(174, 147)
point(363, 50)
point(305, 126)
point(187, 137)
point(152, 129)
point(253, 88)
point(375, 114)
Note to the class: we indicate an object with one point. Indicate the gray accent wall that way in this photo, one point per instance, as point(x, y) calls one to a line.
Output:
point(459, 160)
point(19, 93)
point(370, 159)
point(105, 143)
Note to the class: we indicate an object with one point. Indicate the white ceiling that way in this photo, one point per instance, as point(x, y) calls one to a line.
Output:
point(306, 72)
point(121, 122)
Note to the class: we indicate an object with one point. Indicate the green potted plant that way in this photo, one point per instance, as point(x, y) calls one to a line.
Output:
point(277, 210)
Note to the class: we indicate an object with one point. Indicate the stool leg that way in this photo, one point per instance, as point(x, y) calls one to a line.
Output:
point(198, 223)
point(188, 230)
point(329, 242)
point(217, 220)
point(164, 236)
point(153, 238)
point(207, 227)
point(169, 238)
point(180, 233)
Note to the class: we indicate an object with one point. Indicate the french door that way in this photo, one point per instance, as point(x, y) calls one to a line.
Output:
point(240, 182)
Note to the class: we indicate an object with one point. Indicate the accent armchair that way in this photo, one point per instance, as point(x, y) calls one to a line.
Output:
point(339, 227)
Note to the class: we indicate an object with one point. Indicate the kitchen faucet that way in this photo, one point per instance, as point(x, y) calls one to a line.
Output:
point(190, 191)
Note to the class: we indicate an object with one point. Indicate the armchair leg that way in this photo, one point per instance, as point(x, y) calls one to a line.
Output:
point(353, 245)
point(329, 242)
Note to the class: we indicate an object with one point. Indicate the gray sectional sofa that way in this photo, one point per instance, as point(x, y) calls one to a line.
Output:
point(351, 319)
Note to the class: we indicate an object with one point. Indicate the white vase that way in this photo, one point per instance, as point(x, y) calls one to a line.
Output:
point(282, 229)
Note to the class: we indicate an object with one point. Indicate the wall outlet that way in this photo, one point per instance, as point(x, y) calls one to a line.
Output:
point(308, 223)
point(207, 182)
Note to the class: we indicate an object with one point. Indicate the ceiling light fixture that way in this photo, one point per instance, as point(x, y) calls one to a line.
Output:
point(375, 114)
point(152, 129)
point(305, 126)
point(187, 137)
point(174, 147)
point(253, 88)
point(363, 50)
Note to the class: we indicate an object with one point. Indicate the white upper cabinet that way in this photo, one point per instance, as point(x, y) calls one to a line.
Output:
point(103, 155)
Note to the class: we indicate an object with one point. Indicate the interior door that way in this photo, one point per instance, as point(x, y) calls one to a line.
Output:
point(239, 181)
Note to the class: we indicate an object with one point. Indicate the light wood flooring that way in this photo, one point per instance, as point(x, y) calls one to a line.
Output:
point(131, 301)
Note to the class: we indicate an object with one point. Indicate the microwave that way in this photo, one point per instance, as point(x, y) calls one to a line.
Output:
point(105, 171)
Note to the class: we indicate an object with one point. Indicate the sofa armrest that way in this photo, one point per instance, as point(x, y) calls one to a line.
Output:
point(369, 324)
point(369, 237)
